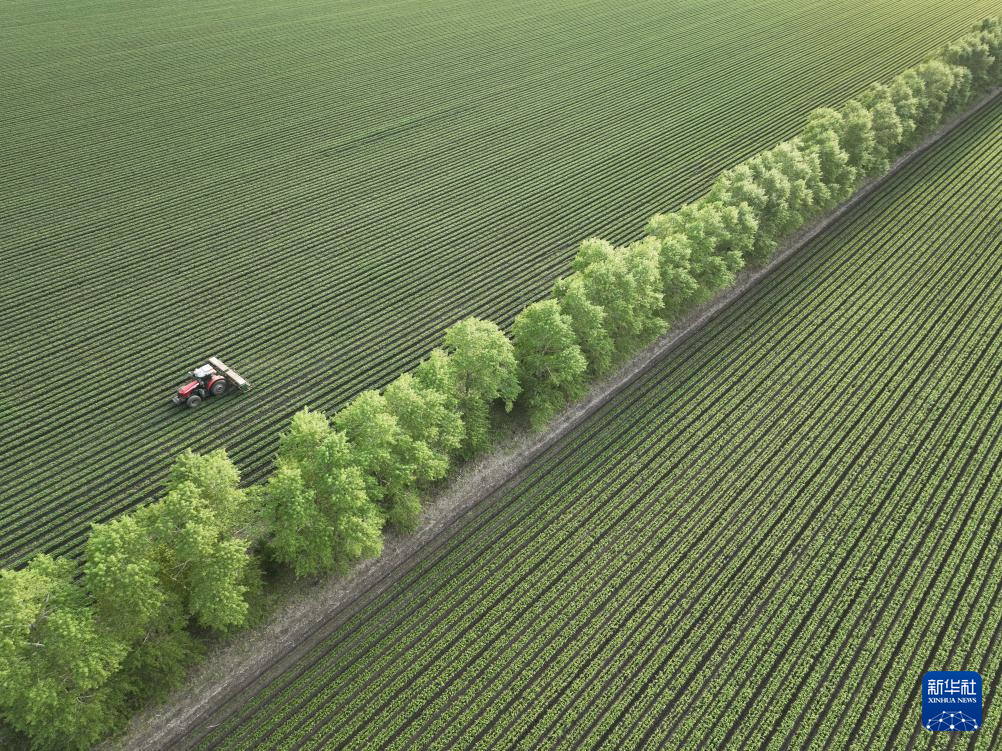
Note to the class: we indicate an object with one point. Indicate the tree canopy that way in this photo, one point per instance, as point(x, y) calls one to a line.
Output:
point(551, 367)
point(318, 512)
point(484, 370)
point(56, 660)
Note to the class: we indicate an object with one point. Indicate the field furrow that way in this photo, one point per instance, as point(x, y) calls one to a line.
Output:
point(764, 542)
point(314, 191)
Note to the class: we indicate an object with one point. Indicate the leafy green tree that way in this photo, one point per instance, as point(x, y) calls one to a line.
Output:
point(382, 451)
point(989, 33)
point(962, 90)
point(221, 571)
point(740, 232)
point(484, 371)
point(752, 186)
point(908, 106)
point(738, 186)
point(200, 558)
point(888, 130)
point(184, 556)
point(857, 137)
point(835, 178)
point(393, 464)
point(793, 181)
point(823, 120)
point(157, 664)
point(218, 482)
point(843, 142)
point(931, 84)
point(709, 227)
point(626, 284)
point(551, 366)
point(645, 321)
point(678, 286)
point(316, 533)
point(318, 512)
point(427, 415)
point(436, 373)
point(946, 89)
point(973, 52)
point(135, 603)
point(125, 580)
point(588, 322)
point(56, 661)
point(301, 536)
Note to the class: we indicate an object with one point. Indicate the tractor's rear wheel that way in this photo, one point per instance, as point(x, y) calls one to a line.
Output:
point(194, 401)
point(219, 388)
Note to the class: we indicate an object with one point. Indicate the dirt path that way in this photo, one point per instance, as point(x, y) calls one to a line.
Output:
point(312, 611)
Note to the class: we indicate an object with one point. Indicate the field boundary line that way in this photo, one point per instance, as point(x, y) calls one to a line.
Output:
point(312, 611)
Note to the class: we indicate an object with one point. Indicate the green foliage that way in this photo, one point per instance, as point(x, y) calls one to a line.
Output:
point(198, 557)
point(857, 137)
point(888, 130)
point(316, 533)
point(789, 179)
point(393, 464)
point(318, 512)
point(125, 580)
point(217, 480)
point(551, 366)
point(962, 91)
point(835, 177)
point(484, 370)
point(908, 106)
point(718, 235)
point(436, 373)
point(56, 660)
point(736, 189)
point(974, 53)
point(678, 286)
point(182, 556)
point(427, 415)
point(626, 284)
point(842, 141)
point(301, 536)
point(588, 323)
point(989, 33)
point(156, 664)
point(944, 90)
point(150, 571)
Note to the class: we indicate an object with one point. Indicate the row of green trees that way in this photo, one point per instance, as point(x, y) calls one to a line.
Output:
point(82, 645)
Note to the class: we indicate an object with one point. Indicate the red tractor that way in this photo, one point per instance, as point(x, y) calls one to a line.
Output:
point(212, 379)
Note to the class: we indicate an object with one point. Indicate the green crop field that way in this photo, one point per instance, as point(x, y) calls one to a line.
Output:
point(765, 542)
point(313, 190)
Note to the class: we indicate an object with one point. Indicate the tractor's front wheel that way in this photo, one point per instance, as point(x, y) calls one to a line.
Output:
point(219, 388)
point(194, 401)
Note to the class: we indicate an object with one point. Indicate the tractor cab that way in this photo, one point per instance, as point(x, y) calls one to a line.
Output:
point(203, 374)
point(211, 379)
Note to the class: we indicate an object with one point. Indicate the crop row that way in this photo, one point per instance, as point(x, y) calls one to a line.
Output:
point(836, 459)
point(741, 376)
point(99, 271)
point(697, 481)
point(700, 481)
point(730, 556)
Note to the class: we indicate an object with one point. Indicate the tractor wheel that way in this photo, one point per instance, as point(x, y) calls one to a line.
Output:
point(194, 401)
point(219, 388)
